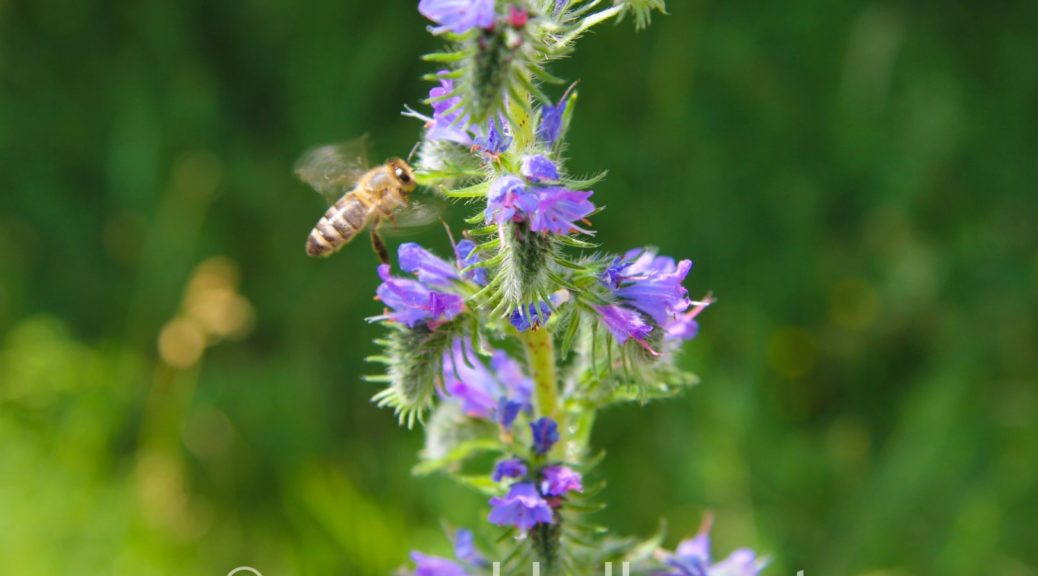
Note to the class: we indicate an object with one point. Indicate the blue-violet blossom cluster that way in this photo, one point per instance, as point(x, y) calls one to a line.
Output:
point(507, 348)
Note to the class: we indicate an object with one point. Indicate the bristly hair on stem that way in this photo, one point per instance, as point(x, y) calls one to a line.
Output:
point(413, 360)
point(641, 11)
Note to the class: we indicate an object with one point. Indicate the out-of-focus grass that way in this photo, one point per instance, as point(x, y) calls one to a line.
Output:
point(854, 182)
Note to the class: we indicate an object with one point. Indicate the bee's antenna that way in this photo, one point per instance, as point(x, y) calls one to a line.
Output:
point(413, 150)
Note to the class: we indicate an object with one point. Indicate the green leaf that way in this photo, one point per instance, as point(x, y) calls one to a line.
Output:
point(569, 331)
point(447, 57)
point(474, 191)
point(481, 482)
point(576, 243)
point(646, 548)
point(484, 231)
point(585, 183)
point(458, 454)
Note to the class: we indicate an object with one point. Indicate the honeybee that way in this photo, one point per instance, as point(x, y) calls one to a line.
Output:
point(366, 197)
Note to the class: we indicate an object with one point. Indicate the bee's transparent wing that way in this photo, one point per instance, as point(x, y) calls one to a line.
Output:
point(332, 170)
point(412, 218)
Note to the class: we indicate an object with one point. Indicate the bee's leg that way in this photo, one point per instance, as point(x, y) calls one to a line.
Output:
point(379, 246)
point(390, 215)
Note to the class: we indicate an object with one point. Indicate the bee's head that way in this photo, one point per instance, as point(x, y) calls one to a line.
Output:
point(403, 173)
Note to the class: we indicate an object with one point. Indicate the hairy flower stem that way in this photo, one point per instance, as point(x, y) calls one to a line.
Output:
point(546, 539)
point(541, 352)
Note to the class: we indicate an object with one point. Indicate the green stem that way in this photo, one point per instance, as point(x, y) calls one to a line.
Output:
point(540, 350)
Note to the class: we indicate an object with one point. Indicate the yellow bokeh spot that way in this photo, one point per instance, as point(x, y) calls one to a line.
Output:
point(212, 310)
point(212, 300)
point(181, 342)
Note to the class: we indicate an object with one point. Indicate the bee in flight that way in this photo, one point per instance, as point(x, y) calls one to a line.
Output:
point(366, 197)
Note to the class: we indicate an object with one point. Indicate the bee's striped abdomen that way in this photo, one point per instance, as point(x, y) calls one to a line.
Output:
point(338, 226)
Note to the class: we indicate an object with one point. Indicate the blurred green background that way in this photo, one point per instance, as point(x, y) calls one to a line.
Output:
point(854, 181)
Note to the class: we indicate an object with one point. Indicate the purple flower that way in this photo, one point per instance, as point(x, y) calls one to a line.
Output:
point(436, 272)
point(495, 138)
point(466, 254)
point(625, 324)
point(497, 393)
point(532, 315)
point(684, 325)
point(508, 411)
point(558, 480)
point(741, 562)
point(551, 121)
point(458, 16)
point(545, 435)
point(448, 121)
point(613, 277)
point(653, 285)
point(552, 209)
point(441, 100)
point(559, 209)
point(693, 555)
point(523, 508)
point(650, 283)
point(465, 548)
point(412, 302)
point(505, 199)
point(511, 468)
point(436, 566)
point(431, 270)
point(692, 558)
point(538, 168)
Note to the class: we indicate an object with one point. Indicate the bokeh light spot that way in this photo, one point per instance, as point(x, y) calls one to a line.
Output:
point(181, 342)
